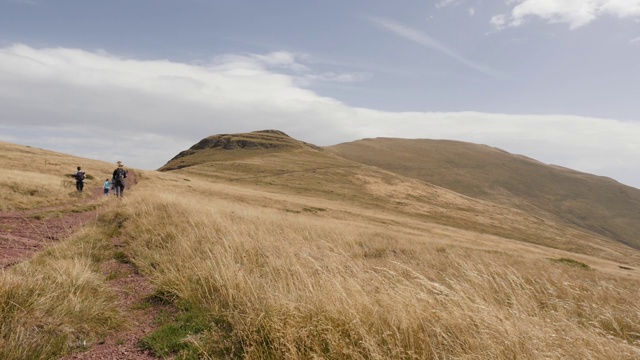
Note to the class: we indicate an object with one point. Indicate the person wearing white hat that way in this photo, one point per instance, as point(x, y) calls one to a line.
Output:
point(119, 174)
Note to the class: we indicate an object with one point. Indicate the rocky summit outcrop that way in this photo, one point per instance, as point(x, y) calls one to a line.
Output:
point(265, 139)
point(208, 148)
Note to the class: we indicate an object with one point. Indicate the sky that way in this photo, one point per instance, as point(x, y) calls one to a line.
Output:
point(141, 80)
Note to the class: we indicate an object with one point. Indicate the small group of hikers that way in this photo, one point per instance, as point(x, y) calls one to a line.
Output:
point(117, 182)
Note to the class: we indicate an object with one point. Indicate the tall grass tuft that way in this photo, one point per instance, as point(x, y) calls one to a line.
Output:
point(57, 302)
point(277, 285)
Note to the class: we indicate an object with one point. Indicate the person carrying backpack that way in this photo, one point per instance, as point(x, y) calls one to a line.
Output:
point(79, 176)
point(119, 174)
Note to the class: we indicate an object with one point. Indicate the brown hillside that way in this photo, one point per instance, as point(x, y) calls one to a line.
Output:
point(294, 252)
point(214, 148)
point(598, 204)
point(319, 175)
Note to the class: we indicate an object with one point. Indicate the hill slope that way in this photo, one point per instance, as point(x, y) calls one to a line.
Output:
point(298, 253)
point(213, 148)
point(35, 177)
point(598, 204)
point(303, 170)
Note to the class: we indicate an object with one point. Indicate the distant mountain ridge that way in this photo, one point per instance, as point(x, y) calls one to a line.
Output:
point(595, 203)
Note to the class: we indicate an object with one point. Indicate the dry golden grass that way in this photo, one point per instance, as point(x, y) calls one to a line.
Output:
point(21, 190)
point(277, 284)
point(57, 302)
point(599, 204)
point(316, 176)
point(35, 178)
point(302, 255)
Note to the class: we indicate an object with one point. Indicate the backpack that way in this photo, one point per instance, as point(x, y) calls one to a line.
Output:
point(80, 175)
point(120, 174)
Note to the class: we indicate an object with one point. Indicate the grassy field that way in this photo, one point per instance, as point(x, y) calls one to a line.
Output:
point(299, 254)
point(269, 283)
point(36, 178)
point(316, 177)
point(59, 302)
point(596, 203)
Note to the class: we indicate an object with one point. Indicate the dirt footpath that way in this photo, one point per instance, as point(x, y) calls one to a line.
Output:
point(134, 291)
point(24, 233)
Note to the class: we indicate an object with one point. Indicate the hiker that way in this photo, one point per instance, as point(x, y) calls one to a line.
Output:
point(119, 174)
point(79, 175)
point(106, 187)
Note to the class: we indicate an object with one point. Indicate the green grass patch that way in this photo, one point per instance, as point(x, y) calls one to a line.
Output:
point(162, 297)
point(46, 215)
point(313, 209)
point(171, 338)
point(572, 262)
point(155, 299)
point(84, 208)
point(121, 257)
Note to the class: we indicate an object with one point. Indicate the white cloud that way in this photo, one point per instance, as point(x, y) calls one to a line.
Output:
point(576, 13)
point(292, 62)
point(445, 3)
point(278, 59)
point(144, 112)
point(431, 43)
point(341, 77)
point(471, 11)
point(499, 21)
point(635, 41)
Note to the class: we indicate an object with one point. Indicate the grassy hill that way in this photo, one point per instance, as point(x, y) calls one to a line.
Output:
point(303, 170)
point(59, 299)
point(35, 177)
point(598, 204)
point(216, 148)
point(268, 252)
